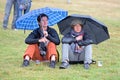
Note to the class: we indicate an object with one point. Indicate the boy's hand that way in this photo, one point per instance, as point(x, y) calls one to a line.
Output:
point(79, 37)
point(45, 33)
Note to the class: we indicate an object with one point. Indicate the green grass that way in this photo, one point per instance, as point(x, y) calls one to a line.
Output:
point(12, 46)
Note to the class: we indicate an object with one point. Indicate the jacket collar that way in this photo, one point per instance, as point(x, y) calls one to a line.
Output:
point(40, 31)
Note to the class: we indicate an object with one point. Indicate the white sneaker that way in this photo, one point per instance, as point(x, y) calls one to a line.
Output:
point(15, 29)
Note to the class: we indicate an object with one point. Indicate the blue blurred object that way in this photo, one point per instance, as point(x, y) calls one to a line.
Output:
point(29, 20)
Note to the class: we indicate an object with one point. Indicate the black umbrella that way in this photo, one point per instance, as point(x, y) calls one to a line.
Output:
point(95, 28)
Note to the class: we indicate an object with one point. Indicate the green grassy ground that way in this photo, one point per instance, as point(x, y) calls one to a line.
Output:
point(12, 45)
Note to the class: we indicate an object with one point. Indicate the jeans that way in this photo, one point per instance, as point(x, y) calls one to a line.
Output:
point(8, 9)
point(24, 11)
point(67, 54)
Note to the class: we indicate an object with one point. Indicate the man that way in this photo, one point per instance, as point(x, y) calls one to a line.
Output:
point(76, 46)
point(8, 9)
point(42, 43)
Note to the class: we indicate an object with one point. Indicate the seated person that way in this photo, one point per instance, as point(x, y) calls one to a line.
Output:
point(42, 43)
point(76, 46)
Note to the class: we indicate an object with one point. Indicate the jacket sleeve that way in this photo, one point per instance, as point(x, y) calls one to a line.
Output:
point(68, 39)
point(86, 40)
point(53, 37)
point(32, 38)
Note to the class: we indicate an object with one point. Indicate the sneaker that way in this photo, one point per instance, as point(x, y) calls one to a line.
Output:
point(64, 65)
point(15, 29)
point(52, 64)
point(86, 65)
point(25, 63)
point(5, 28)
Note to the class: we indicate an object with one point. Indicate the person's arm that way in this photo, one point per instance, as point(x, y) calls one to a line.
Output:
point(86, 40)
point(68, 39)
point(53, 37)
point(32, 38)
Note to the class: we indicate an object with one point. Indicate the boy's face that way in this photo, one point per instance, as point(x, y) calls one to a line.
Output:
point(44, 22)
point(77, 28)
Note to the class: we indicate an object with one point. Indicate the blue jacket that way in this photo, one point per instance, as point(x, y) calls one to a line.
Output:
point(34, 36)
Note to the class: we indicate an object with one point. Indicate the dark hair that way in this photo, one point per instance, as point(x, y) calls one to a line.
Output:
point(40, 16)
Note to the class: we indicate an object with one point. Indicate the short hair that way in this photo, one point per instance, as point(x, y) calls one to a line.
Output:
point(40, 16)
point(76, 21)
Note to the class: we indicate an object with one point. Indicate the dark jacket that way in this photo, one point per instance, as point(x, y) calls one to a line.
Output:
point(68, 38)
point(34, 36)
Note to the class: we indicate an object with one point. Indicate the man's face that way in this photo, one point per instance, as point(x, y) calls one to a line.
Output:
point(44, 22)
point(77, 28)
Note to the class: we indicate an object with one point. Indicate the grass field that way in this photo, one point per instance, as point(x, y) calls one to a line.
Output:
point(12, 45)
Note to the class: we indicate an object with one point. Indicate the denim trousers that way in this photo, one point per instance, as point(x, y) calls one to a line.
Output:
point(8, 8)
point(26, 10)
point(67, 54)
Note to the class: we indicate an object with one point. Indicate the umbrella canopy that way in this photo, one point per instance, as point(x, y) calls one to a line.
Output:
point(95, 28)
point(29, 20)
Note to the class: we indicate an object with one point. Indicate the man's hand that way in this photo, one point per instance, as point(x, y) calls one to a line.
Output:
point(80, 37)
point(45, 33)
point(43, 40)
